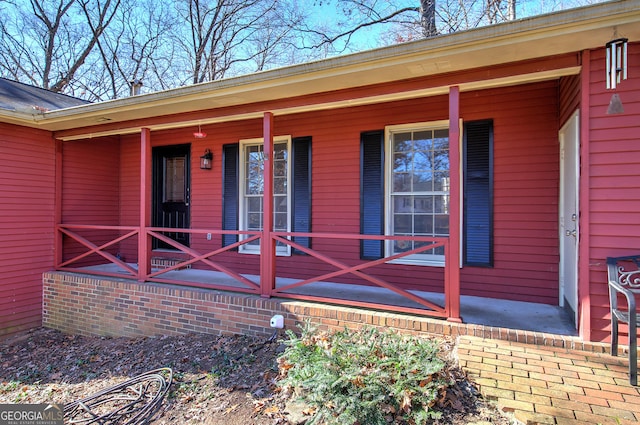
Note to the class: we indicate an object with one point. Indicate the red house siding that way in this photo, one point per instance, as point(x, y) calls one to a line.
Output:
point(90, 190)
point(569, 91)
point(26, 226)
point(526, 186)
point(526, 176)
point(614, 175)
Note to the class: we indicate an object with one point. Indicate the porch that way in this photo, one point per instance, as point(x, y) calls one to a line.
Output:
point(206, 273)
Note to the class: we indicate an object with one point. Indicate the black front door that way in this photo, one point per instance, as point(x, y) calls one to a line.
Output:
point(171, 191)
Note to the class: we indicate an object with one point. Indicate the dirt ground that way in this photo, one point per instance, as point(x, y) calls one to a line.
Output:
point(228, 380)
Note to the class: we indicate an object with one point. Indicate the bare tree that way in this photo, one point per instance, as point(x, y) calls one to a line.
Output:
point(46, 42)
point(224, 35)
point(136, 47)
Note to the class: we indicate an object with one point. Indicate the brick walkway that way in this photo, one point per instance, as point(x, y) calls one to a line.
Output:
point(551, 385)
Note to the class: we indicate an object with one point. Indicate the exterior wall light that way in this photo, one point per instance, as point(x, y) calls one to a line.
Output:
point(206, 160)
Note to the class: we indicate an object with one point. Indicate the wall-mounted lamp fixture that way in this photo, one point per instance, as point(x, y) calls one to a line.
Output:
point(199, 134)
point(206, 160)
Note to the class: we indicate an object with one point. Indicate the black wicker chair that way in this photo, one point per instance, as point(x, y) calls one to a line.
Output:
point(624, 279)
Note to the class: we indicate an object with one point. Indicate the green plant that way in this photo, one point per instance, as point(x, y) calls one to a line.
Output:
point(364, 377)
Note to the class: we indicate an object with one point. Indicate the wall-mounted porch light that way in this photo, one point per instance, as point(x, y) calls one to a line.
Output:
point(206, 160)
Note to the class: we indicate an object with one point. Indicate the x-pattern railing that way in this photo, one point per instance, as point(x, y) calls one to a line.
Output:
point(267, 284)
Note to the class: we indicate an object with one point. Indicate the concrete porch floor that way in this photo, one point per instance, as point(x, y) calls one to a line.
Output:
point(490, 312)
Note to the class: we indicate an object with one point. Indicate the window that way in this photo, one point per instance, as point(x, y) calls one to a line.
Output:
point(298, 182)
point(252, 189)
point(417, 195)
point(404, 180)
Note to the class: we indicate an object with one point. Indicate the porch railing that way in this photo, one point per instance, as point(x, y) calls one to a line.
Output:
point(95, 251)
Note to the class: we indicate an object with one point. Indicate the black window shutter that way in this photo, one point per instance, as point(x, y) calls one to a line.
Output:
point(301, 189)
point(372, 192)
point(230, 192)
point(477, 239)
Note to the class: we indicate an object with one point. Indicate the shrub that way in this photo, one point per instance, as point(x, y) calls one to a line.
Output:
point(364, 377)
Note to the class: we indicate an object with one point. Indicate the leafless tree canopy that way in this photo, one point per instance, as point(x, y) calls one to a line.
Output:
point(94, 49)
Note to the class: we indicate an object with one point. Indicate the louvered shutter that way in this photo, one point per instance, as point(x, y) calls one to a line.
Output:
point(478, 194)
point(301, 189)
point(372, 192)
point(230, 194)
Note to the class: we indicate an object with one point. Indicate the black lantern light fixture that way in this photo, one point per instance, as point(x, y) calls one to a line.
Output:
point(206, 160)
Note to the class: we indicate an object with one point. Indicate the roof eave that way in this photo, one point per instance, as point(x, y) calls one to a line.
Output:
point(547, 35)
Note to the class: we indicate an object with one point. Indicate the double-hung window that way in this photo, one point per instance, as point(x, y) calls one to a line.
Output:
point(417, 188)
point(252, 189)
point(405, 190)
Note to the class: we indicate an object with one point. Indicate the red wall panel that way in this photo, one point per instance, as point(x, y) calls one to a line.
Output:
point(26, 224)
point(569, 92)
point(90, 192)
point(614, 175)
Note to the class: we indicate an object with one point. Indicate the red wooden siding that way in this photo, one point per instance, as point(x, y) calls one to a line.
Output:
point(614, 175)
point(90, 189)
point(526, 186)
point(26, 226)
point(569, 92)
point(526, 177)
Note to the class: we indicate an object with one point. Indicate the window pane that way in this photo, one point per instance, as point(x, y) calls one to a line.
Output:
point(441, 183)
point(402, 204)
point(441, 160)
point(423, 224)
point(423, 204)
point(422, 161)
point(174, 179)
point(402, 224)
point(441, 223)
point(402, 182)
point(254, 204)
point(423, 140)
point(422, 181)
point(441, 204)
point(402, 142)
point(254, 221)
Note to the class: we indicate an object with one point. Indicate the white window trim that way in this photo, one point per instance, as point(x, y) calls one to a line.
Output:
point(417, 259)
point(255, 249)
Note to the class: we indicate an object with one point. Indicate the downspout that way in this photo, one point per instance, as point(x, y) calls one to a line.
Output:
point(267, 244)
point(584, 290)
point(144, 240)
point(452, 258)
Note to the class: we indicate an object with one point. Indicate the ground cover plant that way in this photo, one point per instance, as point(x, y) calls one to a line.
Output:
point(366, 376)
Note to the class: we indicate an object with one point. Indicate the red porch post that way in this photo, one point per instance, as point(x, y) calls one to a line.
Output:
point(267, 245)
point(452, 268)
point(58, 205)
point(144, 241)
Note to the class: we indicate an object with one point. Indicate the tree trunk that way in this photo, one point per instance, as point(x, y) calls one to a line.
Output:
point(428, 18)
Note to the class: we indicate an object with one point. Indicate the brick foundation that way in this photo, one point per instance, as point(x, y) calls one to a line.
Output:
point(91, 305)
